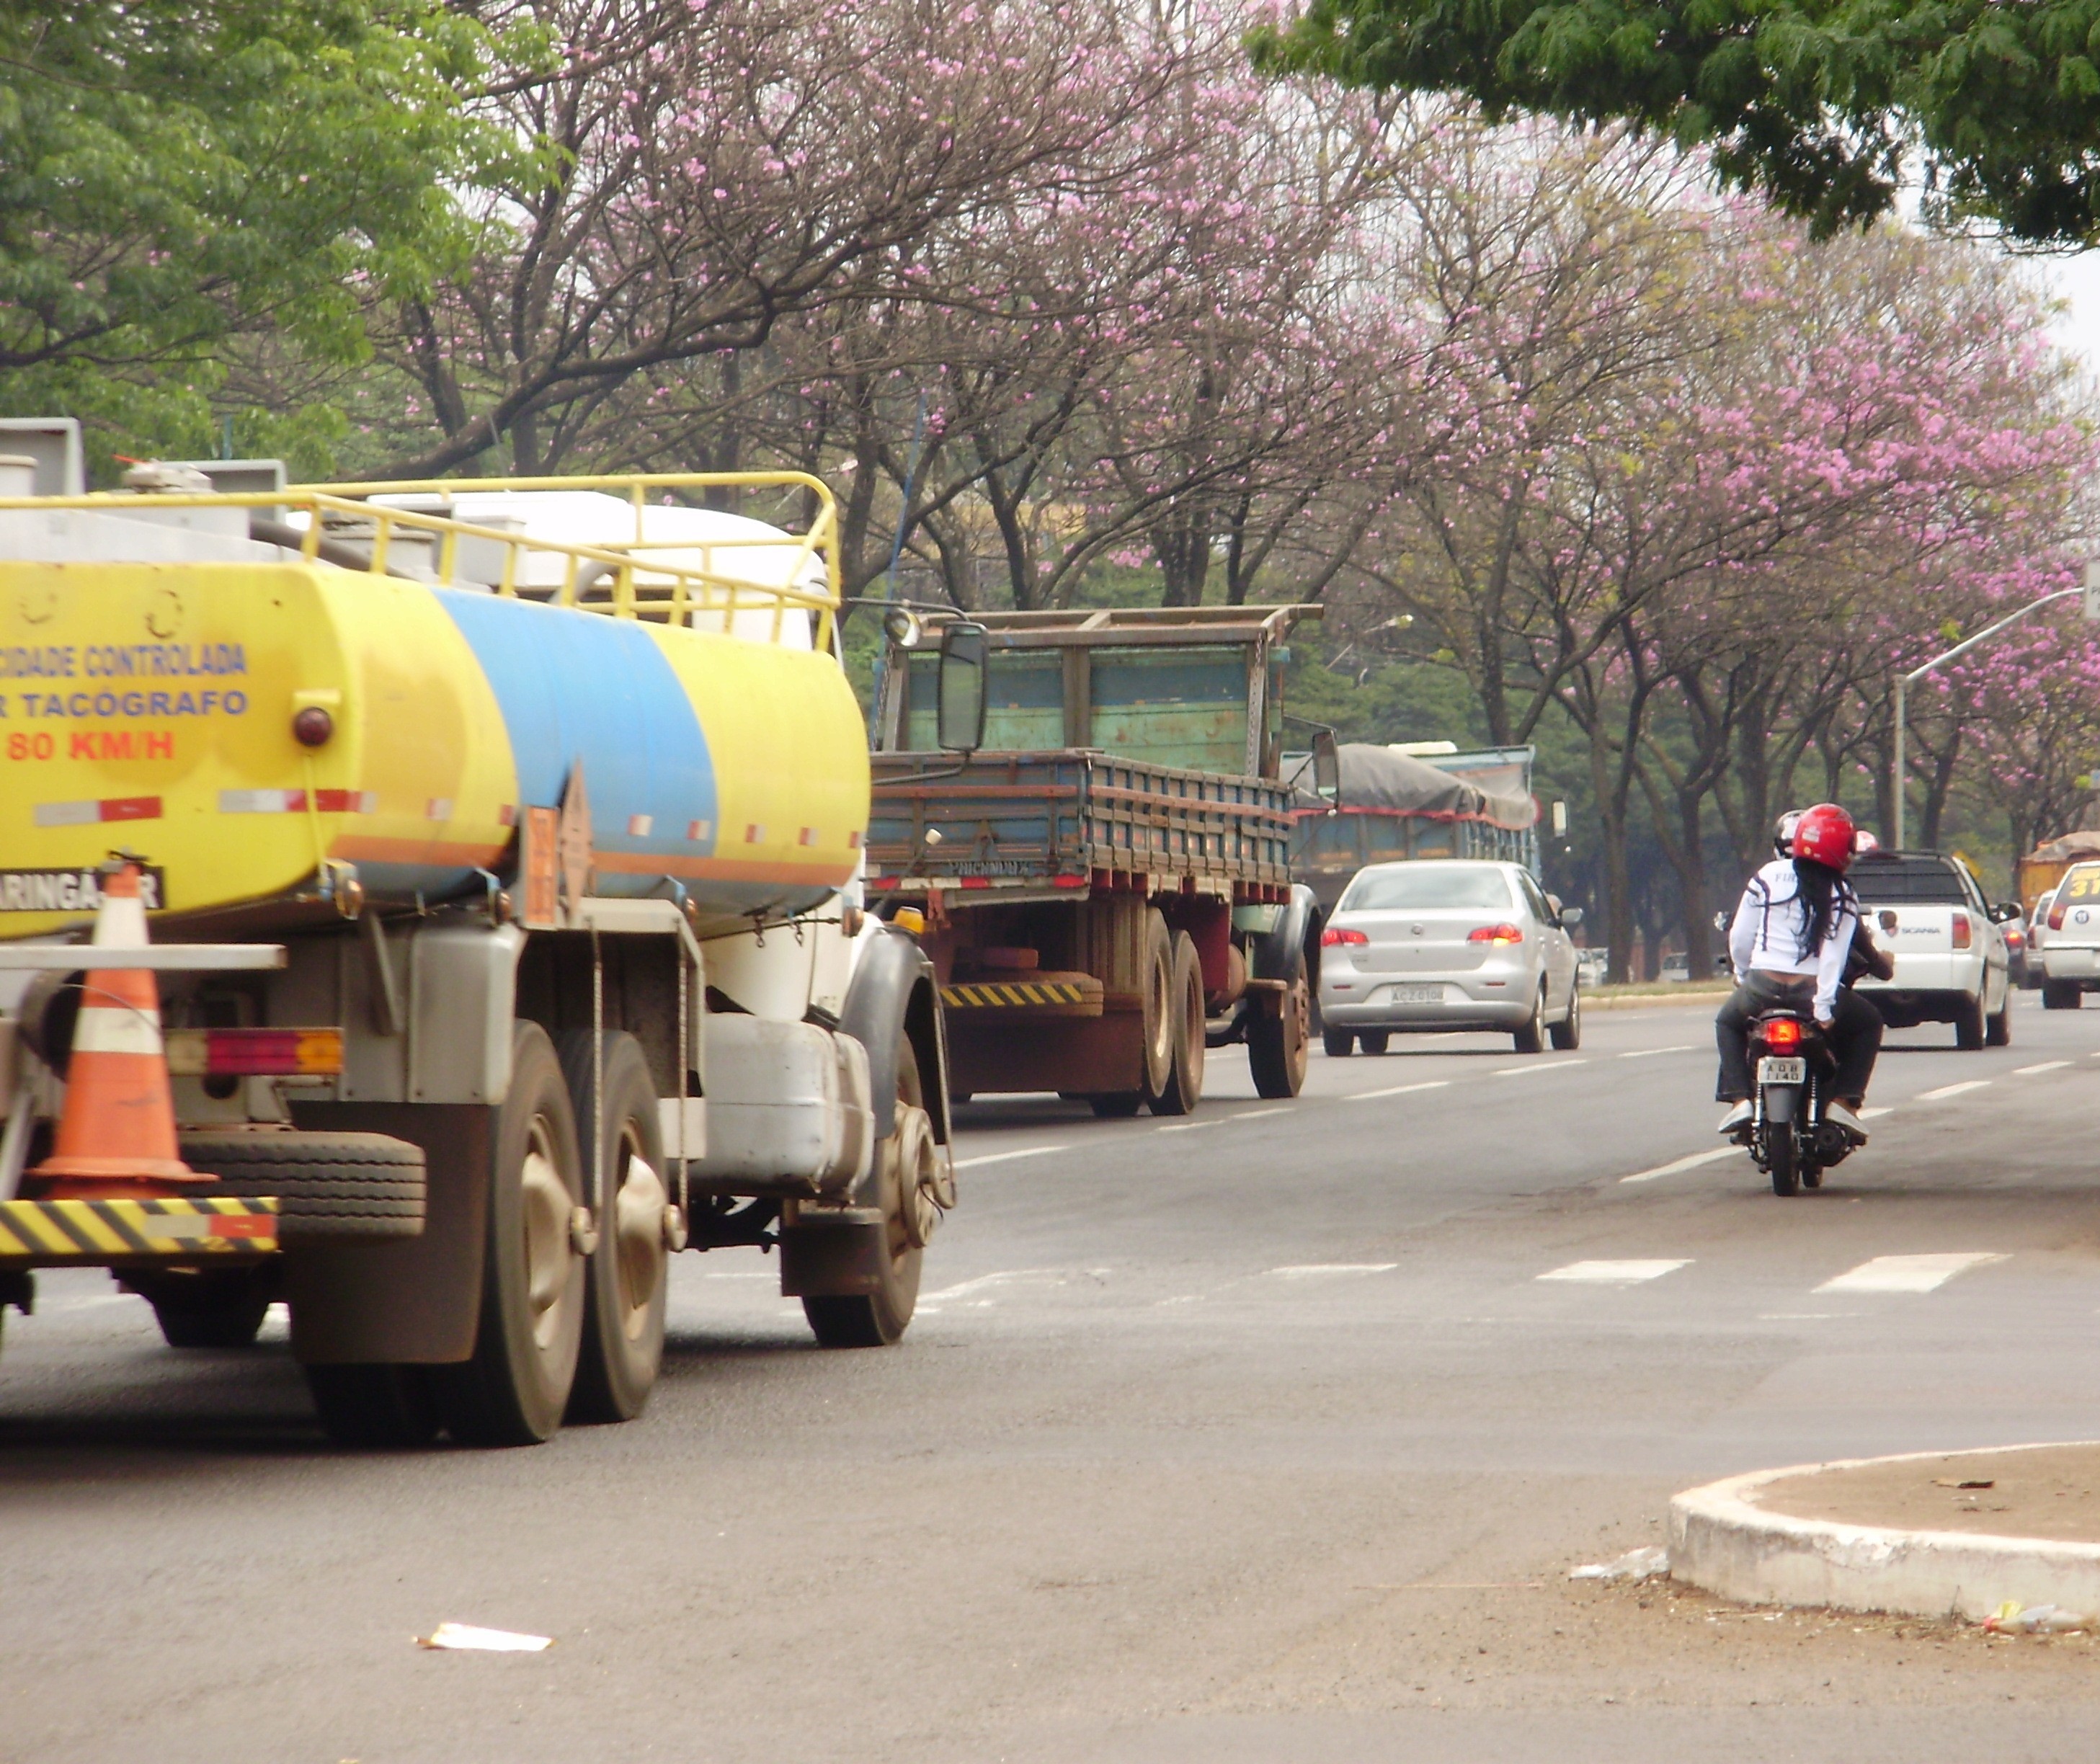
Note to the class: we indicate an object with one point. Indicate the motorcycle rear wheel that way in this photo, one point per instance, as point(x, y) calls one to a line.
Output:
point(1780, 1153)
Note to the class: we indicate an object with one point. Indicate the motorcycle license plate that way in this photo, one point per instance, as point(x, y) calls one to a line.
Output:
point(1782, 1071)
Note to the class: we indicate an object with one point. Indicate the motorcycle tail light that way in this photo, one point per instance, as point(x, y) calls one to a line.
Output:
point(1496, 934)
point(1335, 934)
point(1785, 1033)
point(1962, 934)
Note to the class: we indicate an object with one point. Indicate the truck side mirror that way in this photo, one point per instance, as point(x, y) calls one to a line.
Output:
point(965, 648)
point(1327, 766)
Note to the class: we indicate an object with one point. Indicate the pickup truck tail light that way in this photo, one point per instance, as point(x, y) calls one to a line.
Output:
point(1496, 934)
point(1964, 935)
point(1335, 934)
point(2056, 917)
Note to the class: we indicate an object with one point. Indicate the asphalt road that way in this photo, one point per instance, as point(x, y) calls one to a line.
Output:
point(1268, 1435)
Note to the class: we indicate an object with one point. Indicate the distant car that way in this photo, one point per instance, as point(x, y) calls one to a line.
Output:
point(1445, 944)
point(1951, 963)
point(2038, 935)
point(2018, 964)
point(1676, 968)
point(1591, 965)
point(2070, 951)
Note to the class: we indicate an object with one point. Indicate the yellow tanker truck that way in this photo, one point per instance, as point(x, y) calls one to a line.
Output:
point(496, 848)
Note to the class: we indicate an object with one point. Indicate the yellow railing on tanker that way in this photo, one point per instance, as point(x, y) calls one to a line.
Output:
point(640, 587)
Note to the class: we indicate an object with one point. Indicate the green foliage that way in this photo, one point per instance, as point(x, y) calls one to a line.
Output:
point(1814, 103)
point(176, 177)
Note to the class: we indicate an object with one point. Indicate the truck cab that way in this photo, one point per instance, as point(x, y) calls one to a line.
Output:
point(1951, 965)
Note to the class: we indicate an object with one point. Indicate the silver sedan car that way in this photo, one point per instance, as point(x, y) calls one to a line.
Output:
point(1448, 944)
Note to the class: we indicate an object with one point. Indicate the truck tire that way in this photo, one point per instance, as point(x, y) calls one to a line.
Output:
point(2060, 995)
point(1280, 1047)
point(629, 1273)
point(879, 1319)
point(1184, 1078)
point(330, 1186)
point(375, 1407)
point(1116, 1105)
point(514, 1387)
point(1971, 1028)
point(209, 1308)
point(1156, 982)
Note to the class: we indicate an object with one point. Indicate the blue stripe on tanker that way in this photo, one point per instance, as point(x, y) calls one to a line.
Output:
point(578, 685)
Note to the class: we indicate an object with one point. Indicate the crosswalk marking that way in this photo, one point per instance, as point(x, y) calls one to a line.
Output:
point(1615, 1273)
point(1399, 1090)
point(2047, 1065)
point(1643, 1053)
point(1692, 1162)
point(1908, 1273)
point(1946, 1091)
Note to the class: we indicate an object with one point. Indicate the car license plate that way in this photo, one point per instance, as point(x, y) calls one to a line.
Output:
point(1417, 994)
point(1782, 1071)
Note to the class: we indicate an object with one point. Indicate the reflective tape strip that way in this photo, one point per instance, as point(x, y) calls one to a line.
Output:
point(295, 801)
point(90, 813)
point(101, 1230)
point(699, 830)
point(101, 1029)
point(638, 825)
point(437, 809)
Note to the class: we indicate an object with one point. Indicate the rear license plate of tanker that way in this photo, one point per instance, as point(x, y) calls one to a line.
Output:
point(1782, 1071)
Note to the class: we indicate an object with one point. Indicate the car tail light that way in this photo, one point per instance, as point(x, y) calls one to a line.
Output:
point(2056, 917)
point(1335, 934)
point(1496, 934)
point(1963, 936)
point(1783, 1032)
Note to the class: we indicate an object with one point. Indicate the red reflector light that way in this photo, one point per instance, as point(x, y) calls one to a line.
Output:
point(1068, 881)
point(1335, 934)
point(254, 1052)
point(1496, 934)
point(1962, 934)
point(1785, 1032)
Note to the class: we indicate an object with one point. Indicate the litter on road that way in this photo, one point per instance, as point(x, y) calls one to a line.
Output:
point(2012, 1618)
point(1641, 1564)
point(465, 1638)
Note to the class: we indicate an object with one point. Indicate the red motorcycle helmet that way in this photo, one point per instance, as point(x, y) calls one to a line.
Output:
point(1826, 835)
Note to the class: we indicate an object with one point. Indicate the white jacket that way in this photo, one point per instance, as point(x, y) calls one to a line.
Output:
point(1769, 921)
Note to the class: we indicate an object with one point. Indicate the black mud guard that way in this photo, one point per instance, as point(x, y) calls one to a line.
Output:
point(894, 987)
point(1293, 946)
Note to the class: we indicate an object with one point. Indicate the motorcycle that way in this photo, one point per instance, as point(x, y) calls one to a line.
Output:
point(1786, 1135)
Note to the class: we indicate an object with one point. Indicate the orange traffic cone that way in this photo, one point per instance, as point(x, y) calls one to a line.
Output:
point(117, 1135)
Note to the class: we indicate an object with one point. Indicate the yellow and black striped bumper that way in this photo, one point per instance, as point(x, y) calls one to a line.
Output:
point(1005, 994)
point(49, 1233)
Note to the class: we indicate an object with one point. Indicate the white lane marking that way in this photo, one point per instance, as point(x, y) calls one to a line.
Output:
point(1908, 1273)
point(1221, 1121)
point(2047, 1065)
point(1305, 1270)
point(1692, 1162)
point(1643, 1053)
point(1875, 1114)
point(1950, 1090)
point(756, 1273)
point(1615, 1273)
point(1399, 1090)
point(1005, 1158)
point(1804, 1317)
point(983, 1280)
point(1546, 1065)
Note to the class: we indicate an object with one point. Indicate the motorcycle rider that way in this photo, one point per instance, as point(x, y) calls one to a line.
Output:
point(1791, 943)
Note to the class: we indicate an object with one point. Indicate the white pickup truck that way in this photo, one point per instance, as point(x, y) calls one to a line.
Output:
point(2071, 947)
point(1951, 962)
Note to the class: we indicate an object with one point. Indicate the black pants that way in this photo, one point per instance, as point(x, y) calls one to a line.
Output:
point(1855, 1033)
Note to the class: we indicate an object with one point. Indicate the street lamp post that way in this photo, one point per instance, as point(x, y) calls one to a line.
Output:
point(1962, 648)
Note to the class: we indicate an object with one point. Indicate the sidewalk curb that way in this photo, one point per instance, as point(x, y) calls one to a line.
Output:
point(1720, 1539)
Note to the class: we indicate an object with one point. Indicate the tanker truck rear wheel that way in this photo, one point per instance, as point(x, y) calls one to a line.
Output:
point(628, 1272)
point(514, 1388)
point(878, 1318)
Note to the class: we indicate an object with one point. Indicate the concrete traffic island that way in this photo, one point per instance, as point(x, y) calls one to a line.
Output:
point(1930, 1534)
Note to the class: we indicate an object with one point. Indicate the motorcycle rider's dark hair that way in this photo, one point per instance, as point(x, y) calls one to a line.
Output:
point(1817, 887)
